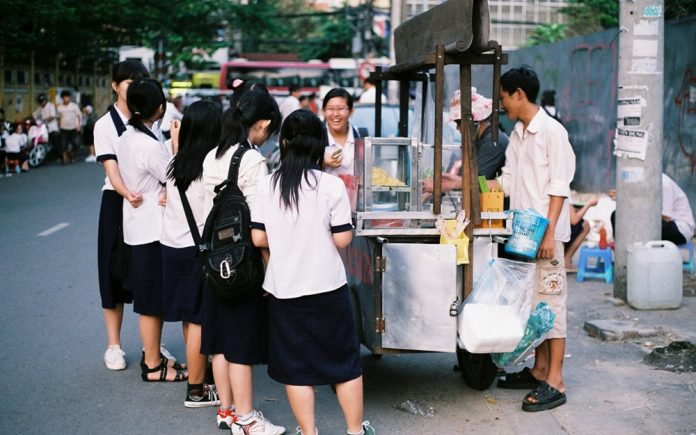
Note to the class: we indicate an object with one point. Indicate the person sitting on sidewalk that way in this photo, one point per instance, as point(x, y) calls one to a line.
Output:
point(14, 148)
point(579, 229)
point(539, 167)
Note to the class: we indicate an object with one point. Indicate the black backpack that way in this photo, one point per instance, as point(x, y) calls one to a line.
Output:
point(232, 264)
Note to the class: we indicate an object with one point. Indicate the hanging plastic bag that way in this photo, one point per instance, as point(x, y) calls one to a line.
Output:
point(539, 324)
point(452, 233)
point(496, 312)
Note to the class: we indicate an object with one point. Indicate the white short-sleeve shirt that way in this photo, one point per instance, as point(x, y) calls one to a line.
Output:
point(142, 162)
point(69, 116)
point(347, 166)
point(540, 162)
point(252, 169)
point(675, 205)
point(45, 112)
point(175, 228)
point(15, 142)
point(106, 140)
point(304, 259)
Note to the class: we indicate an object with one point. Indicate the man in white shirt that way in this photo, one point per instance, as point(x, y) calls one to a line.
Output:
point(47, 113)
point(677, 218)
point(292, 102)
point(539, 166)
point(369, 95)
point(69, 122)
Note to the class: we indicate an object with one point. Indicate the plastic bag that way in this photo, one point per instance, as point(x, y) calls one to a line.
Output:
point(539, 324)
point(496, 312)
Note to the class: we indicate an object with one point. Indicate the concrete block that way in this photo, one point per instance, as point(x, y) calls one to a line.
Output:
point(618, 330)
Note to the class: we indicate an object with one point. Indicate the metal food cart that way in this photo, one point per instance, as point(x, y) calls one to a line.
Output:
point(407, 287)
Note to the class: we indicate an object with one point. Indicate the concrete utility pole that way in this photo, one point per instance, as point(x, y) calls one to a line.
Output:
point(639, 130)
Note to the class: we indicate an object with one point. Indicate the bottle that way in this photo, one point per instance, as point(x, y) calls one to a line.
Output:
point(603, 238)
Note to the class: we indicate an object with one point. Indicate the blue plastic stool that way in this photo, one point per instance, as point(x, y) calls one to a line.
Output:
point(688, 265)
point(604, 268)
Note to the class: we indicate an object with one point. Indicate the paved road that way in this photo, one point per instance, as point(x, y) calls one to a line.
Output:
point(52, 339)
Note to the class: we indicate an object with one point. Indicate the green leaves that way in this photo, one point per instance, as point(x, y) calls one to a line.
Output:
point(547, 34)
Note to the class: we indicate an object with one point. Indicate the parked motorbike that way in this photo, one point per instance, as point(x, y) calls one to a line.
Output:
point(39, 146)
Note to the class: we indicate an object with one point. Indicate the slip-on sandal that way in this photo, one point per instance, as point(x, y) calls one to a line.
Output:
point(523, 380)
point(546, 397)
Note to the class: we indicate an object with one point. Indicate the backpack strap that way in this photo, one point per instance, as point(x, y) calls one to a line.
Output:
point(118, 122)
point(233, 173)
point(190, 219)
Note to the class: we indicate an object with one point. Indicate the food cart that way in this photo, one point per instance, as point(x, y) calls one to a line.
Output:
point(407, 288)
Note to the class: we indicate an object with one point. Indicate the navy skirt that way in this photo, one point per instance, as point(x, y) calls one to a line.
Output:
point(313, 339)
point(110, 218)
point(145, 279)
point(238, 330)
point(182, 284)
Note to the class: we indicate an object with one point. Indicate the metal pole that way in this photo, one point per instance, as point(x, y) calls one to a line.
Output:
point(638, 180)
point(439, 103)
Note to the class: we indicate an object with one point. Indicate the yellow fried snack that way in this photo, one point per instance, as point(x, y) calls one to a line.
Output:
point(381, 178)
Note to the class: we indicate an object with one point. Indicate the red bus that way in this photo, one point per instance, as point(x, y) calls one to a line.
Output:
point(278, 75)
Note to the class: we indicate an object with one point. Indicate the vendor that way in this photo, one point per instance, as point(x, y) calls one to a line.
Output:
point(339, 134)
point(490, 156)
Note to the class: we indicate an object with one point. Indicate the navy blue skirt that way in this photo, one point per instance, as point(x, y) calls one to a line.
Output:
point(145, 279)
point(110, 218)
point(182, 284)
point(237, 330)
point(313, 339)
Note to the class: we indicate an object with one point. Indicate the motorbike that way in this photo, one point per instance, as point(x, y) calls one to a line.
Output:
point(39, 145)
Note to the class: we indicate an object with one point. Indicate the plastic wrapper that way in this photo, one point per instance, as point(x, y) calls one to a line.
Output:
point(539, 324)
point(495, 313)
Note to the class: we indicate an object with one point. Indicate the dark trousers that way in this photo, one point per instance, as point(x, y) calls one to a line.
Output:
point(69, 140)
point(670, 232)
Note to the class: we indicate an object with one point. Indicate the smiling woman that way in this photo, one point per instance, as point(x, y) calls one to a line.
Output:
point(340, 136)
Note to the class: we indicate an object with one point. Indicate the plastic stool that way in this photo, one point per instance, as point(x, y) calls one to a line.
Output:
point(605, 266)
point(688, 265)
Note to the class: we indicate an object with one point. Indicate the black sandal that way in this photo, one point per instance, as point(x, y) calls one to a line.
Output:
point(523, 380)
point(546, 396)
point(163, 368)
point(175, 366)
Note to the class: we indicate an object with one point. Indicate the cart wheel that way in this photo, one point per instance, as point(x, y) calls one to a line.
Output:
point(478, 370)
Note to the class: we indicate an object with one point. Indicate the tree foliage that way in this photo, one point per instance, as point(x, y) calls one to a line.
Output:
point(547, 34)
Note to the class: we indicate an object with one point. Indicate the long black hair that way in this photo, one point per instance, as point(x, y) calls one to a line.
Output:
point(250, 106)
point(301, 149)
point(199, 133)
point(144, 98)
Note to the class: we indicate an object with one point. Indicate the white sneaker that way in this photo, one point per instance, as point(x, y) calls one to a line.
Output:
point(91, 159)
point(167, 354)
point(114, 358)
point(256, 425)
point(224, 418)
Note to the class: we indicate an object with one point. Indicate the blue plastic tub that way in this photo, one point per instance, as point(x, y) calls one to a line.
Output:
point(528, 229)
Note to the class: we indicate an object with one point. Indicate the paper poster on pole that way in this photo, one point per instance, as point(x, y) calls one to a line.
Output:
point(645, 48)
point(631, 143)
point(628, 111)
point(646, 28)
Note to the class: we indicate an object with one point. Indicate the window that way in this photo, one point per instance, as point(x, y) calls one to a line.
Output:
point(9, 77)
point(21, 77)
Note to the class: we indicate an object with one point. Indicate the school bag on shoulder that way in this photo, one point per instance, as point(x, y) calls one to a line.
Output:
point(232, 264)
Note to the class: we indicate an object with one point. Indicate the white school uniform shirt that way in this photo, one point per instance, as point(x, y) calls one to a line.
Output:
point(106, 141)
point(15, 142)
point(175, 228)
point(675, 204)
point(540, 162)
point(347, 166)
point(252, 169)
point(304, 259)
point(142, 162)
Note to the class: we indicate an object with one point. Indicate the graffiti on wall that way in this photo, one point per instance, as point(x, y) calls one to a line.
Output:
point(685, 103)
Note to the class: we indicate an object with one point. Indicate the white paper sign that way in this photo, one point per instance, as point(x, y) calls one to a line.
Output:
point(631, 143)
point(630, 106)
point(646, 28)
point(644, 65)
point(644, 48)
point(632, 174)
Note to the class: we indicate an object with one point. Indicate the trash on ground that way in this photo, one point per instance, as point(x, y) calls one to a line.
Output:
point(679, 356)
point(415, 408)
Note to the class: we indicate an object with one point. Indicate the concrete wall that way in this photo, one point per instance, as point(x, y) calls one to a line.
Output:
point(583, 72)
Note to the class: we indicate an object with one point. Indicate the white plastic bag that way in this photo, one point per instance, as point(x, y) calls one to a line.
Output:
point(496, 312)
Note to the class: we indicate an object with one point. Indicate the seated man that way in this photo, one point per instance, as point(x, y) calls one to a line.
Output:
point(579, 228)
point(677, 218)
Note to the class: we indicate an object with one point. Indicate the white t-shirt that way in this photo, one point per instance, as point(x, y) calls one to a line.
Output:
point(69, 115)
point(142, 162)
point(304, 259)
point(106, 141)
point(15, 142)
point(540, 162)
point(175, 228)
point(347, 166)
point(369, 96)
point(252, 169)
point(45, 112)
point(675, 204)
point(289, 105)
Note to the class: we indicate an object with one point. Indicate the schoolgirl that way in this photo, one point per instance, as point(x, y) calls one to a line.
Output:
point(182, 276)
point(236, 333)
point(143, 162)
point(339, 135)
point(303, 215)
point(106, 135)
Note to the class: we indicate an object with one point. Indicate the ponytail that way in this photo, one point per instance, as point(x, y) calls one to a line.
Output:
point(144, 98)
